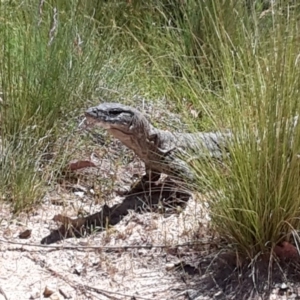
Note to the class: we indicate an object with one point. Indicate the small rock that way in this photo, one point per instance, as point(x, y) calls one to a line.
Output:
point(25, 234)
point(78, 269)
point(283, 286)
point(79, 194)
point(170, 266)
point(47, 292)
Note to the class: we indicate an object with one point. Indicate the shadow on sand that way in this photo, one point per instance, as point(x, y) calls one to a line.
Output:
point(144, 197)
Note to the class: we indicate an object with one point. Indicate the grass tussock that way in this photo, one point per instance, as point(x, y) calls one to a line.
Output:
point(236, 63)
point(255, 192)
point(47, 71)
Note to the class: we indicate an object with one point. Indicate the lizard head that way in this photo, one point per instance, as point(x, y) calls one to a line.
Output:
point(117, 117)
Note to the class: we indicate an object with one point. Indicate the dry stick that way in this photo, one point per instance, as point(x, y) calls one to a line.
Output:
point(2, 292)
point(109, 248)
point(75, 285)
point(54, 273)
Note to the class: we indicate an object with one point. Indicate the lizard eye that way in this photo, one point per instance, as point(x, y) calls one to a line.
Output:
point(115, 112)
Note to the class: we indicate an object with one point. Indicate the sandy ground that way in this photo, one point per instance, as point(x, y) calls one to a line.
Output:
point(151, 253)
point(98, 266)
point(147, 255)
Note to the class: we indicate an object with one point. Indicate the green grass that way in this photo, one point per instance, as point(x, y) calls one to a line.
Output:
point(237, 67)
point(46, 76)
point(254, 195)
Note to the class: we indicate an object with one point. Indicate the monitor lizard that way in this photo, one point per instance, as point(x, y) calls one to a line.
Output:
point(162, 151)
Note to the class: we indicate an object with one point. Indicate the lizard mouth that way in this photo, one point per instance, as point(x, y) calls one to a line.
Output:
point(90, 122)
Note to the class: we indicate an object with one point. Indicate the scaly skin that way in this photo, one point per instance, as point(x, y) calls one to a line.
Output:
point(160, 150)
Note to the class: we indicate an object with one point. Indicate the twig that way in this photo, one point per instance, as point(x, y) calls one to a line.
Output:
point(110, 248)
point(2, 292)
point(76, 285)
